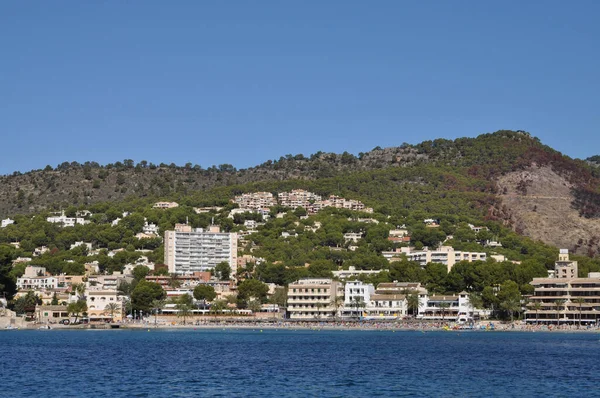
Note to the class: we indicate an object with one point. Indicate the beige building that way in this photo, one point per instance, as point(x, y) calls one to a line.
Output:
point(313, 298)
point(190, 250)
point(444, 255)
point(51, 313)
point(565, 298)
point(97, 302)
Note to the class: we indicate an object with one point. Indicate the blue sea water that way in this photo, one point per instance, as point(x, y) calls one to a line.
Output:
point(287, 363)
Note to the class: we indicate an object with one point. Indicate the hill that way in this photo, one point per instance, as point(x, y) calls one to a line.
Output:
point(502, 176)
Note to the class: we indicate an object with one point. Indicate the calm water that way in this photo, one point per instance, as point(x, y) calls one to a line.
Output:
point(297, 363)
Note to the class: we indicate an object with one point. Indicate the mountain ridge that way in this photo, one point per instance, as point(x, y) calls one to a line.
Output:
point(467, 169)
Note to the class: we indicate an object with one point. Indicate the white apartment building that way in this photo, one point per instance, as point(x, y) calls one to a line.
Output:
point(67, 221)
point(357, 296)
point(444, 255)
point(37, 282)
point(150, 228)
point(190, 250)
point(451, 308)
point(352, 236)
point(353, 272)
point(313, 298)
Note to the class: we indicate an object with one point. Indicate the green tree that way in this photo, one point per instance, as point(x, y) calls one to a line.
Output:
point(279, 297)
point(413, 302)
point(218, 306)
point(579, 301)
point(559, 304)
point(26, 303)
point(140, 272)
point(205, 293)
point(145, 293)
point(252, 289)
point(157, 305)
point(77, 308)
point(254, 306)
point(223, 271)
point(185, 299)
point(184, 311)
point(443, 308)
point(111, 308)
point(510, 298)
point(537, 306)
point(358, 304)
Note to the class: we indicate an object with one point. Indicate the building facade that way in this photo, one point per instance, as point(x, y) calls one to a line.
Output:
point(313, 298)
point(565, 298)
point(190, 250)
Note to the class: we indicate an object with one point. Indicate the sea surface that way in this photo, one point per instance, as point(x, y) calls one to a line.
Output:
point(288, 363)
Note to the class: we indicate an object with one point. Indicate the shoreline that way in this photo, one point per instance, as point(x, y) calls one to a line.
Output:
point(318, 326)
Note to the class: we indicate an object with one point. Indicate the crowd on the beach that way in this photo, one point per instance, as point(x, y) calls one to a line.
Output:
point(360, 325)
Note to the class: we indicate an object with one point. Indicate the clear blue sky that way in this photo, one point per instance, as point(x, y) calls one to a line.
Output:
point(241, 82)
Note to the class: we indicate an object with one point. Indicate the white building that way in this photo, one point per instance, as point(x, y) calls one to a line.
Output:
point(150, 228)
point(444, 255)
point(81, 243)
point(352, 236)
point(37, 282)
point(67, 221)
point(190, 250)
point(357, 295)
point(165, 205)
point(6, 222)
point(352, 272)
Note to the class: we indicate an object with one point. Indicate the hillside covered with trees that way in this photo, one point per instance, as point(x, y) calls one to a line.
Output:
point(456, 182)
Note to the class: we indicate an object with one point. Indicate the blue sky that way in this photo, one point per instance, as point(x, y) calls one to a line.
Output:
point(242, 82)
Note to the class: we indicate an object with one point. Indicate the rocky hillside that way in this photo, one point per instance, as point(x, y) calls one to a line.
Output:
point(540, 203)
point(510, 175)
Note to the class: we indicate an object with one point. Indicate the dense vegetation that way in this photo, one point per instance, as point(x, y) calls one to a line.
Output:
point(450, 181)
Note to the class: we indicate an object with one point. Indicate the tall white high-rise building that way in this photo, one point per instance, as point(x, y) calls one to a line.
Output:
point(190, 250)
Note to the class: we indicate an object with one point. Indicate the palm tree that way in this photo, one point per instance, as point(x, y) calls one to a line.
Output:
point(413, 302)
point(475, 301)
point(111, 308)
point(358, 303)
point(157, 305)
point(559, 303)
point(336, 303)
point(183, 310)
point(319, 305)
point(443, 307)
point(579, 301)
point(511, 305)
point(537, 306)
point(78, 289)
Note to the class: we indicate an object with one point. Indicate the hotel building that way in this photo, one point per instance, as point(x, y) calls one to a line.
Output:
point(564, 298)
point(190, 250)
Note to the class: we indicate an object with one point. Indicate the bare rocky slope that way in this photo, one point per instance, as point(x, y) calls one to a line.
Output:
point(540, 205)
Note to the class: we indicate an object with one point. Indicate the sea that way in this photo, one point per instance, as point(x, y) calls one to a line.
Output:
point(297, 363)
